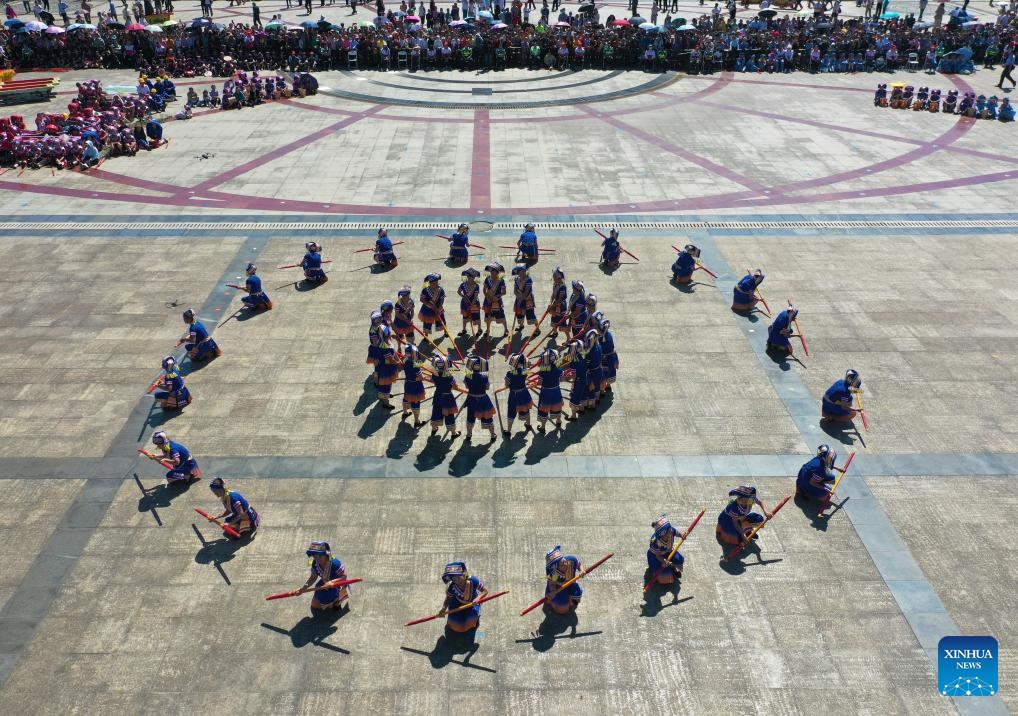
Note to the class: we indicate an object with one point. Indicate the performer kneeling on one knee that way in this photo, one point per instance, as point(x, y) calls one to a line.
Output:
point(611, 250)
point(780, 331)
point(837, 402)
point(737, 520)
point(817, 477)
point(176, 396)
point(237, 512)
point(461, 589)
point(458, 245)
point(198, 343)
point(560, 568)
point(527, 245)
point(326, 568)
point(661, 543)
point(256, 298)
point(384, 254)
point(184, 468)
point(312, 264)
point(685, 264)
point(744, 296)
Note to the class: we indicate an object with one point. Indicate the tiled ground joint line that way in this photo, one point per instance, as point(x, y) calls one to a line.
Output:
point(32, 599)
point(914, 595)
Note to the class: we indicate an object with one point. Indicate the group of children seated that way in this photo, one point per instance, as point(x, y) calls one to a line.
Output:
point(924, 99)
point(243, 91)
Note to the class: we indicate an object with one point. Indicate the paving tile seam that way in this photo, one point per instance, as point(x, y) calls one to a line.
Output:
point(480, 81)
point(918, 602)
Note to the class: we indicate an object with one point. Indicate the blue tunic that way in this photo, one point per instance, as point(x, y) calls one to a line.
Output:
point(435, 313)
point(312, 265)
point(383, 251)
point(776, 332)
point(550, 399)
point(558, 573)
point(684, 265)
point(478, 403)
point(595, 373)
point(493, 292)
point(200, 345)
point(240, 510)
point(557, 302)
point(528, 245)
point(335, 570)
point(456, 597)
point(735, 517)
point(839, 391)
point(660, 547)
point(815, 479)
point(470, 302)
point(612, 251)
point(175, 389)
point(578, 393)
point(413, 385)
point(256, 297)
point(458, 246)
point(609, 358)
point(520, 401)
point(186, 466)
point(744, 293)
point(444, 403)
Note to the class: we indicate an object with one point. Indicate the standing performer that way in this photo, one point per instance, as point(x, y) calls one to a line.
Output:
point(478, 403)
point(817, 477)
point(685, 264)
point(523, 303)
point(611, 250)
point(458, 245)
point(560, 568)
point(184, 467)
point(198, 343)
point(238, 513)
point(384, 254)
point(527, 245)
point(494, 290)
point(609, 357)
point(519, 403)
point(256, 298)
point(312, 264)
point(443, 405)
point(837, 402)
point(470, 301)
point(595, 373)
point(461, 589)
point(737, 520)
point(413, 384)
point(780, 331)
point(549, 402)
point(577, 358)
point(744, 296)
point(432, 303)
point(557, 306)
point(386, 371)
point(403, 321)
point(326, 568)
point(378, 340)
point(577, 296)
point(386, 308)
point(176, 396)
point(661, 544)
point(580, 319)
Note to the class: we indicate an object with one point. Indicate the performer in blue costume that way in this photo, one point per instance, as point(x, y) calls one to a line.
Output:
point(737, 520)
point(609, 357)
point(443, 405)
point(312, 264)
point(527, 245)
point(459, 245)
point(744, 296)
point(184, 468)
point(780, 331)
point(470, 301)
point(237, 511)
point(198, 343)
point(557, 306)
point(493, 304)
point(176, 396)
point(403, 319)
point(595, 373)
point(838, 400)
point(611, 250)
point(461, 589)
point(523, 303)
point(576, 358)
point(560, 568)
point(413, 384)
point(256, 298)
point(384, 254)
point(378, 340)
point(432, 303)
point(519, 403)
point(685, 264)
point(326, 568)
point(549, 401)
point(386, 371)
point(661, 544)
point(478, 402)
point(817, 477)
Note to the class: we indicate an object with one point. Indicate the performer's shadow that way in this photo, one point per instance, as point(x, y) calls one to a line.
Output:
point(750, 314)
point(782, 360)
point(369, 396)
point(737, 565)
point(448, 646)
point(691, 286)
point(375, 420)
point(304, 286)
point(505, 455)
point(379, 268)
point(845, 433)
point(653, 598)
point(810, 509)
point(161, 495)
point(402, 440)
point(555, 627)
point(434, 452)
point(469, 454)
point(571, 433)
point(218, 552)
point(313, 630)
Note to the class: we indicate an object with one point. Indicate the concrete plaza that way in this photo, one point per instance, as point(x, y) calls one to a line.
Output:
point(892, 232)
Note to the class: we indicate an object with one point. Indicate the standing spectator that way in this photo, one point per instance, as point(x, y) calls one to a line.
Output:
point(256, 16)
point(1007, 67)
point(922, 8)
point(62, 9)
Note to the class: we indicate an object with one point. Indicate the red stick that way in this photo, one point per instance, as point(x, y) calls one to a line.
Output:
point(165, 463)
point(449, 238)
point(568, 583)
point(155, 383)
point(361, 251)
point(848, 462)
point(762, 299)
point(738, 550)
point(327, 585)
point(565, 317)
point(226, 528)
point(468, 605)
point(547, 251)
point(327, 261)
point(628, 252)
point(865, 422)
point(798, 330)
point(533, 333)
point(664, 566)
point(704, 268)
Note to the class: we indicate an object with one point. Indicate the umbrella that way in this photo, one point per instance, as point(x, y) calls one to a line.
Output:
point(499, 26)
point(678, 21)
point(485, 15)
point(562, 24)
point(202, 21)
point(14, 22)
point(365, 23)
point(48, 18)
point(922, 25)
point(412, 18)
point(636, 20)
point(53, 30)
point(277, 25)
point(413, 28)
point(80, 26)
point(135, 26)
point(971, 23)
point(620, 22)
point(399, 13)
point(685, 28)
point(35, 26)
point(309, 24)
point(890, 16)
point(647, 26)
point(767, 13)
point(170, 23)
point(153, 28)
point(458, 23)
point(586, 7)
